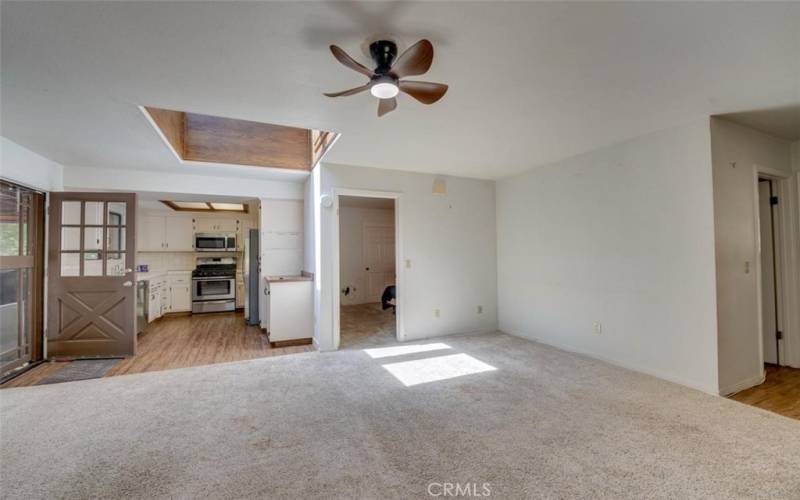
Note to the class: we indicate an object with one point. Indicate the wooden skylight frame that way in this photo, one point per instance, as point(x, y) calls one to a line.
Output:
point(195, 138)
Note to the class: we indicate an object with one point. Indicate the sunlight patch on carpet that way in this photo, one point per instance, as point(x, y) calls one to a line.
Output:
point(385, 352)
point(422, 371)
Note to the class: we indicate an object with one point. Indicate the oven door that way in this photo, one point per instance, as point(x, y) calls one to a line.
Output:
point(210, 243)
point(213, 288)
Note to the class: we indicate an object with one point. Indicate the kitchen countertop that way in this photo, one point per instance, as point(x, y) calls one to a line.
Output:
point(284, 279)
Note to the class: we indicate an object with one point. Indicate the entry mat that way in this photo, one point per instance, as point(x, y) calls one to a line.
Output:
point(83, 369)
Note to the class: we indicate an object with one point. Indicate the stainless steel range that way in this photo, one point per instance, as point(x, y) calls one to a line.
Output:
point(214, 285)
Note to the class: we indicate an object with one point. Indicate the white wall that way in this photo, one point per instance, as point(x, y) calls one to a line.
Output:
point(281, 240)
point(623, 236)
point(351, 248)
point(98, 179)
point(25, 167)
point(736, 237)
point(449, 241)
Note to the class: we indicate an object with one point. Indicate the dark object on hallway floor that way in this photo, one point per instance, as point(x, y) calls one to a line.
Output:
point(389, 295)
point(83, 369)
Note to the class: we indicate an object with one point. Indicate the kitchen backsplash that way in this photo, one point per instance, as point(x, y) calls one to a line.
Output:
point(180, 261)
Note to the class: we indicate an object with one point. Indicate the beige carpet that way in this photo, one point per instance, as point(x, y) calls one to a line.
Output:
point(531, 421)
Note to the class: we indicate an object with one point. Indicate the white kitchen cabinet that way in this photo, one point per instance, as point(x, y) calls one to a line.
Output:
point(158, 233)
point(216, 225)
point(150, 233)
point(180, 292)
point(156, 302)
point(239, 290)
point(179, 234)
point(290, 309)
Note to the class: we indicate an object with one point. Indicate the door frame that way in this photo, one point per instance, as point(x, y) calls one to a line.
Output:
point(786, 237)
point(398, 258)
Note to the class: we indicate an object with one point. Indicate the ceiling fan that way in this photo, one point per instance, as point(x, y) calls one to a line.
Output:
point(385, 81)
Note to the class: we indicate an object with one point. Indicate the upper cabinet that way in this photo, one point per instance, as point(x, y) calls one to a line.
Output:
point(158, 233)
point(179, 235)
point(216, 225)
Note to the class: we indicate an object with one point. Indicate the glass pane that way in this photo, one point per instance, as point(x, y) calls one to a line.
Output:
point(70, 238)
point(94, 213)
point(116, 213)
point(116, 239)
point(70, 264)
point(115, 264)
point(92, 238)
point(9, 221)
point(71, 212)
point(92, 265)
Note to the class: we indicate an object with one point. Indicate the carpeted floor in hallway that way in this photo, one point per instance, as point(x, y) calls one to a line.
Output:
point(528, 420)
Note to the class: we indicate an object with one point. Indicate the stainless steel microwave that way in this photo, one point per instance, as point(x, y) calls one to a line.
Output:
point(215, 242)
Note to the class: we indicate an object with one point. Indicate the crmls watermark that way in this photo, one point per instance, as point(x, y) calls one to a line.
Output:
point(460, 489)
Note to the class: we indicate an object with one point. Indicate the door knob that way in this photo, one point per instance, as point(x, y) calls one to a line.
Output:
point(128, 283)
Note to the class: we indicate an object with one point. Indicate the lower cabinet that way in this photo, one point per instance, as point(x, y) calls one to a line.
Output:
point(180, 292)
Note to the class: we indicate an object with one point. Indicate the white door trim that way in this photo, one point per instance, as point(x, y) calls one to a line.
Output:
point(398, 256)
point(787, 242)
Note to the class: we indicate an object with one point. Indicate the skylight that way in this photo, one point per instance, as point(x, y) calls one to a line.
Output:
point(205, 206)
point(191, 205)
point(227, 206)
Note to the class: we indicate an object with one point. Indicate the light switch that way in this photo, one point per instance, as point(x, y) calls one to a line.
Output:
point(408, 263)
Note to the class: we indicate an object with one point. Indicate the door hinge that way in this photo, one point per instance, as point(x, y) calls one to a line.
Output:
point(779, 335)
point(773, 200)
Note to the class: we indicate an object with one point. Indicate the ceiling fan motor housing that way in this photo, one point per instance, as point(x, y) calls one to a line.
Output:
point(383, 52)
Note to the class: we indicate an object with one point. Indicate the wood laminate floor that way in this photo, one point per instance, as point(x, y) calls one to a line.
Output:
point(366, 325)
point(780, 392)
point(180, 342)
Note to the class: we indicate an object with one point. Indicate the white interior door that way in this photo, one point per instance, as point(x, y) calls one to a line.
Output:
point(378, 260)
point(768, 316)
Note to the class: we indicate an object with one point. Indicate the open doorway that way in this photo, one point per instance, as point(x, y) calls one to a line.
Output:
point(770, 273)
point(367, 271)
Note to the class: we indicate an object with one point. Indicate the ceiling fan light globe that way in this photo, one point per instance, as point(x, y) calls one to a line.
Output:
point(384, 90)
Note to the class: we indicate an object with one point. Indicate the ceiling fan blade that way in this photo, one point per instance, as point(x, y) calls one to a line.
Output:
point(386, 106)
point(349, 91)
point(424, 92)
point(416, 60)
point(348, 61)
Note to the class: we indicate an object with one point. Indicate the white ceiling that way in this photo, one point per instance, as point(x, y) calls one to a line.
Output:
point(780, 122)
point(530, 83)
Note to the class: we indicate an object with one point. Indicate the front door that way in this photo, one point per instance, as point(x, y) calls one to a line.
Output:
point(91, 296)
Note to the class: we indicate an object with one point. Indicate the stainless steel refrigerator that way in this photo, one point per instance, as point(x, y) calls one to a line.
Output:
point(252, 273)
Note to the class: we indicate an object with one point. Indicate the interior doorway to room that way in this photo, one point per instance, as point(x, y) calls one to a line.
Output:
point(367, 271)
point(770, 273)
point(21, 277)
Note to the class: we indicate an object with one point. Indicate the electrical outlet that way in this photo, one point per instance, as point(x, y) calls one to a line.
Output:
point(436, 312)
point(480, 309)
point(598, 327)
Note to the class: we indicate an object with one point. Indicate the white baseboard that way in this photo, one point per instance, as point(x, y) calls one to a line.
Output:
point(628, 366)
point(743, 384)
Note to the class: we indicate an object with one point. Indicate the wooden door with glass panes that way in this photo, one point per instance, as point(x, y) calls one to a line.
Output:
point(92, 293)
